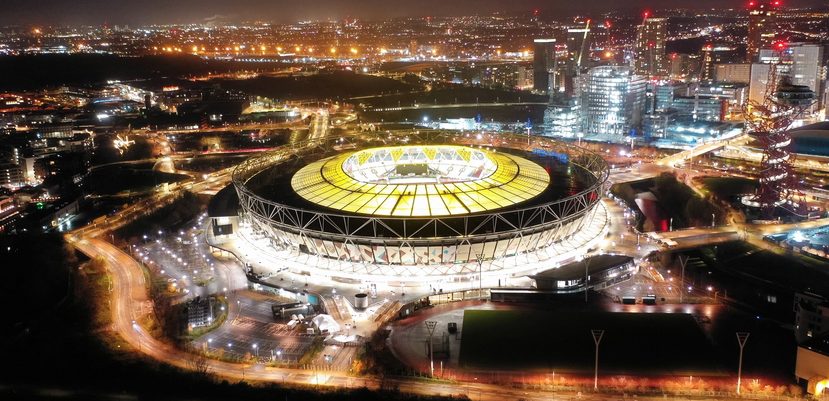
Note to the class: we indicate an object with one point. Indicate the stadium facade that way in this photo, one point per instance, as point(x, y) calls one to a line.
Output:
point(422, 205)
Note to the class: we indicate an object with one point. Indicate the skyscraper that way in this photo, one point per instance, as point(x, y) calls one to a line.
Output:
point(681, 66)
point(713, 55)
point(733, 72)
point(762, 21)
point(665, 94)
point(578, 44)
point(759, 87)
point(544, 65)
point(650, 47)
point(808, 67)
point(612, 101)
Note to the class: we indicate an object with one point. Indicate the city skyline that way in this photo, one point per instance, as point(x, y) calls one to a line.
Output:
point(97, 12)
point(399, 201)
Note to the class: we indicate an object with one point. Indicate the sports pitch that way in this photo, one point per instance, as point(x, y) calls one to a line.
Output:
point(641, 343)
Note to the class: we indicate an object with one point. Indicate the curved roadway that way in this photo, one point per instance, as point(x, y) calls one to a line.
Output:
point(129, 295)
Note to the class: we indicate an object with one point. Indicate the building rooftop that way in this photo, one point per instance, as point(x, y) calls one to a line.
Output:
point(224, 204)
point(575, 270)
point(819, 345)
point(438, 180)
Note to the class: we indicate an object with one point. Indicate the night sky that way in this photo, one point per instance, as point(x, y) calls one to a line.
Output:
point(175, 11)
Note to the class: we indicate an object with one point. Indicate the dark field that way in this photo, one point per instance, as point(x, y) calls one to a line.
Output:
point(335, 85)
point(503, 114)
point(475, 102)
point(35, 72)
point(111, 180)
point(753, 274)
point(727, 187)
point(233, 140)
point(633, 342)
point(210, 163)
point(453, 95)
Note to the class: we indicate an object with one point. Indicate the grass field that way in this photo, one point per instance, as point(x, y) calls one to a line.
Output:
point(113, 179)
point(632, 343)
point(727, 187)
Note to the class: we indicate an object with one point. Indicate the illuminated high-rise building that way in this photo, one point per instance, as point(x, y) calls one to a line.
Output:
point(759, 87)
point(612, 101)
point(733, 72)
point(713, 55)
point(808, 67)
point(650, 47)
point(578, 44)
point(665, 93)
point(762, 23)
point(681, 66)
point(544, 65)
point(561, 118)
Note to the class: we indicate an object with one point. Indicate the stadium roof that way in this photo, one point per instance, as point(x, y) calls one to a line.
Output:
point(428, 180)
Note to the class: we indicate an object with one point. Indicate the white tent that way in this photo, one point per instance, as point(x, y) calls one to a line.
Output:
point(326, 323)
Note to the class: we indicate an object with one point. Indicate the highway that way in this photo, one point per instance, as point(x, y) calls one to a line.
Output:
point(224, 128)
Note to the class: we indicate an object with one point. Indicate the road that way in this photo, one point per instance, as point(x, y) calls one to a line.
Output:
point(237, 127)
point(129, 302)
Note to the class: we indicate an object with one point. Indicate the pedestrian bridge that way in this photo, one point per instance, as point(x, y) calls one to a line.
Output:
point(702, 149)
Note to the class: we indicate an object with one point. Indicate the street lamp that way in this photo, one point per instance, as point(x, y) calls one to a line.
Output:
point(711, 289)
point(742, 337)
point(430, 326)
point(597, 338)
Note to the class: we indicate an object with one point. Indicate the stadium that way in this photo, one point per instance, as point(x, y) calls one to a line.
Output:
point(418, 206)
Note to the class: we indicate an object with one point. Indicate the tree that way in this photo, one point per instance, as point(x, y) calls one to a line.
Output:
point(197, 363)
point(698, 211)
point(140, 150)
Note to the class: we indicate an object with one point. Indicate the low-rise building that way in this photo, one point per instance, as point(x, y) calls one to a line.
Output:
point(812, 365)
point(201, 312)
point(811, 316)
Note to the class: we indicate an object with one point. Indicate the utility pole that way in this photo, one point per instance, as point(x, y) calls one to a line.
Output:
point(742, 337)
point(597, 338)
point(430, 326)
